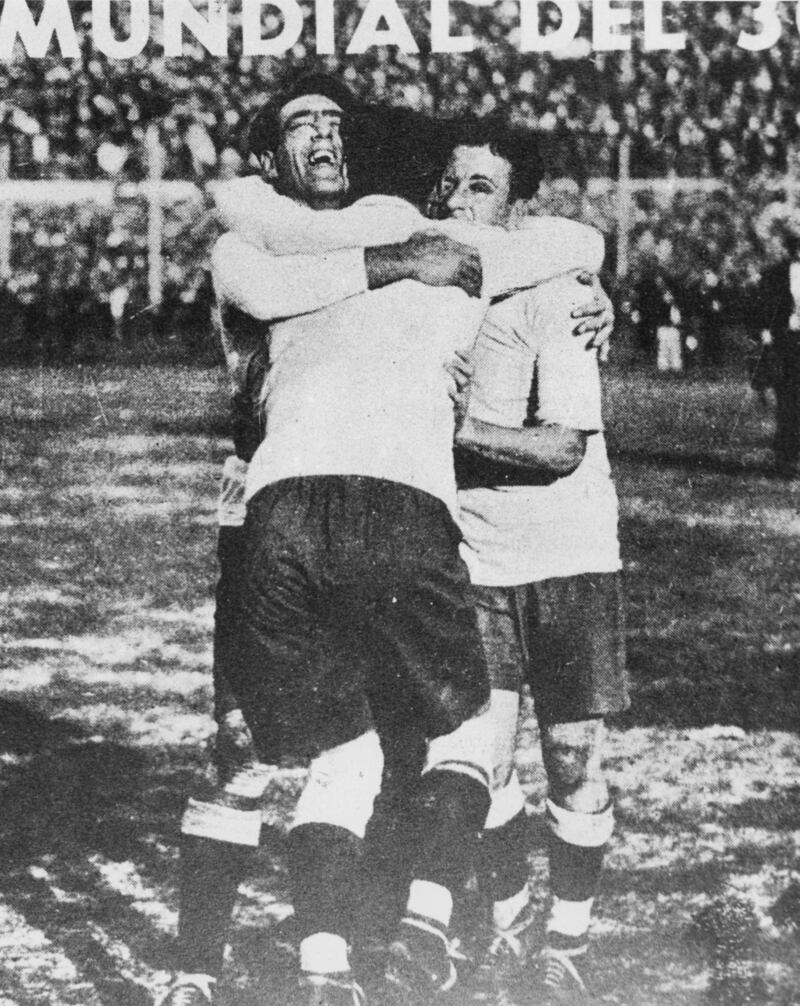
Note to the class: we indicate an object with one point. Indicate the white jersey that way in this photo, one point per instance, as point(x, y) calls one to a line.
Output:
point(357, 382)
point(524, 534)
point(360, 388)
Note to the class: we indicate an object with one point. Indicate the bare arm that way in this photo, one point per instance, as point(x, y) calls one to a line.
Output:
point(527, 338)
point(546, 450)
point(428, 257)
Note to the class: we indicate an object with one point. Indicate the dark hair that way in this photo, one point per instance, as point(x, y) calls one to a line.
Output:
point(517, 146)
point(264, 133)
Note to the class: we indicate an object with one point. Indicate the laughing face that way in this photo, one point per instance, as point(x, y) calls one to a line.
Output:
point(308, 164)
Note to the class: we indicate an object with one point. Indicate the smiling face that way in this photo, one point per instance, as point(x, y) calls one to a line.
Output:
point(475, 186)
point(308, 164)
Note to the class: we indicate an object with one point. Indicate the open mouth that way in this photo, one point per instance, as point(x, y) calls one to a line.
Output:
point(320, 158)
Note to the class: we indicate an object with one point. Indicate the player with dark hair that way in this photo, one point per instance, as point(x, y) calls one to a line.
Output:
point(538, 512)
point(518, 147)
point(352, 584)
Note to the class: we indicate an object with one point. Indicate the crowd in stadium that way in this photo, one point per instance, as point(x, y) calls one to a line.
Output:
point(706, 110)
point(710, 110)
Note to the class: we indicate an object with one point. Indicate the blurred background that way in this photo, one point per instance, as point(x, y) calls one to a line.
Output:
point(685, 160)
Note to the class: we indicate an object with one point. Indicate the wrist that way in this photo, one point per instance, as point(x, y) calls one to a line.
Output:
point(385, 264)
point(465, 431)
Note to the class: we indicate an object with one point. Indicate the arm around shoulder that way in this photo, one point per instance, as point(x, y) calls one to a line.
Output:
point(270, 287)
point(544, 247)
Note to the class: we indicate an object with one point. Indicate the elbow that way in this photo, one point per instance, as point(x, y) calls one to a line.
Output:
point(221, 254)
point(225, 205)
point(234, 201)
point(569, 455)
point(595, 250)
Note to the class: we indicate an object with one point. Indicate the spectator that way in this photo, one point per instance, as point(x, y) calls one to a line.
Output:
point(779, 304)
point(669, 357)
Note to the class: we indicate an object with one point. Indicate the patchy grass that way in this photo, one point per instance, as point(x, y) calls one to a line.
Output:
point(107, 496)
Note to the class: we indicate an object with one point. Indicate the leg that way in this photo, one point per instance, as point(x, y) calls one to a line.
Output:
point(453, 803)
point(502, 864)
point(576, 633)
point(325, 848)
point(388, 844)
point(580, 820)
point(218, 836)
point(431, 649)
point(294, 703)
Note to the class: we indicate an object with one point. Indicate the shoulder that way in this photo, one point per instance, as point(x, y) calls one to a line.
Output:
point(393, 207)
point(247, 188)
point(226, 244)
point(401, 205)
point(562, 230)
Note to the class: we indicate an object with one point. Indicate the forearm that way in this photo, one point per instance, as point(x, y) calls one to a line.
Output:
point(544, 248)
point(269, 287)
point(253, 209)
point(385, 264)
point(544, 450)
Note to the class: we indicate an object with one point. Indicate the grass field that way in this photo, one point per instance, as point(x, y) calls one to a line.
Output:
point(107, 533)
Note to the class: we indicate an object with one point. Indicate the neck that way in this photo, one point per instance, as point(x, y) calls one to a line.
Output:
point(315, 201)
point(330, 202)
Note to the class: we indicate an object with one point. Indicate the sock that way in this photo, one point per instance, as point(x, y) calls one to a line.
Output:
point(324, 954)
point(576, 850)
point(506, 912)
point(431, 901)
point(451, 811)
point(324, 864)
point(570, 918)
point(210, 874)
point(502, 858)
point(389, 853)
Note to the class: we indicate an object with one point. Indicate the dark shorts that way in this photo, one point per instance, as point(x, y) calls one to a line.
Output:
point(355, 613)
point(565, 637)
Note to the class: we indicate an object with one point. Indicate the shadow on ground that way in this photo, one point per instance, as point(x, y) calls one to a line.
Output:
point(72, 806)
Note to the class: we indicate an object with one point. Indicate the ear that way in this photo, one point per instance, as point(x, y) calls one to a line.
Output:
point(520, 209)
point(266, 164)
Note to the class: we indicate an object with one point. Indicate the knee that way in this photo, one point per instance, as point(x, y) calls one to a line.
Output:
point(572, 755)
point(482, 746)
point(342, 785)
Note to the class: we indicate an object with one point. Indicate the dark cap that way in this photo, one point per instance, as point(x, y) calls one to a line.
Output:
point(263, 133)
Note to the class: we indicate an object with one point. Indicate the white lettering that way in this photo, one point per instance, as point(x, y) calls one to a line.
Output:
point(212, 34)
point(771, 28)
point(441, 39)
point(605, 19)
point(654, 35)
point(16, 19)
point(368, 35)
point(326, 42)
point(532, 41)
point(254, 44)
point(104, 36)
